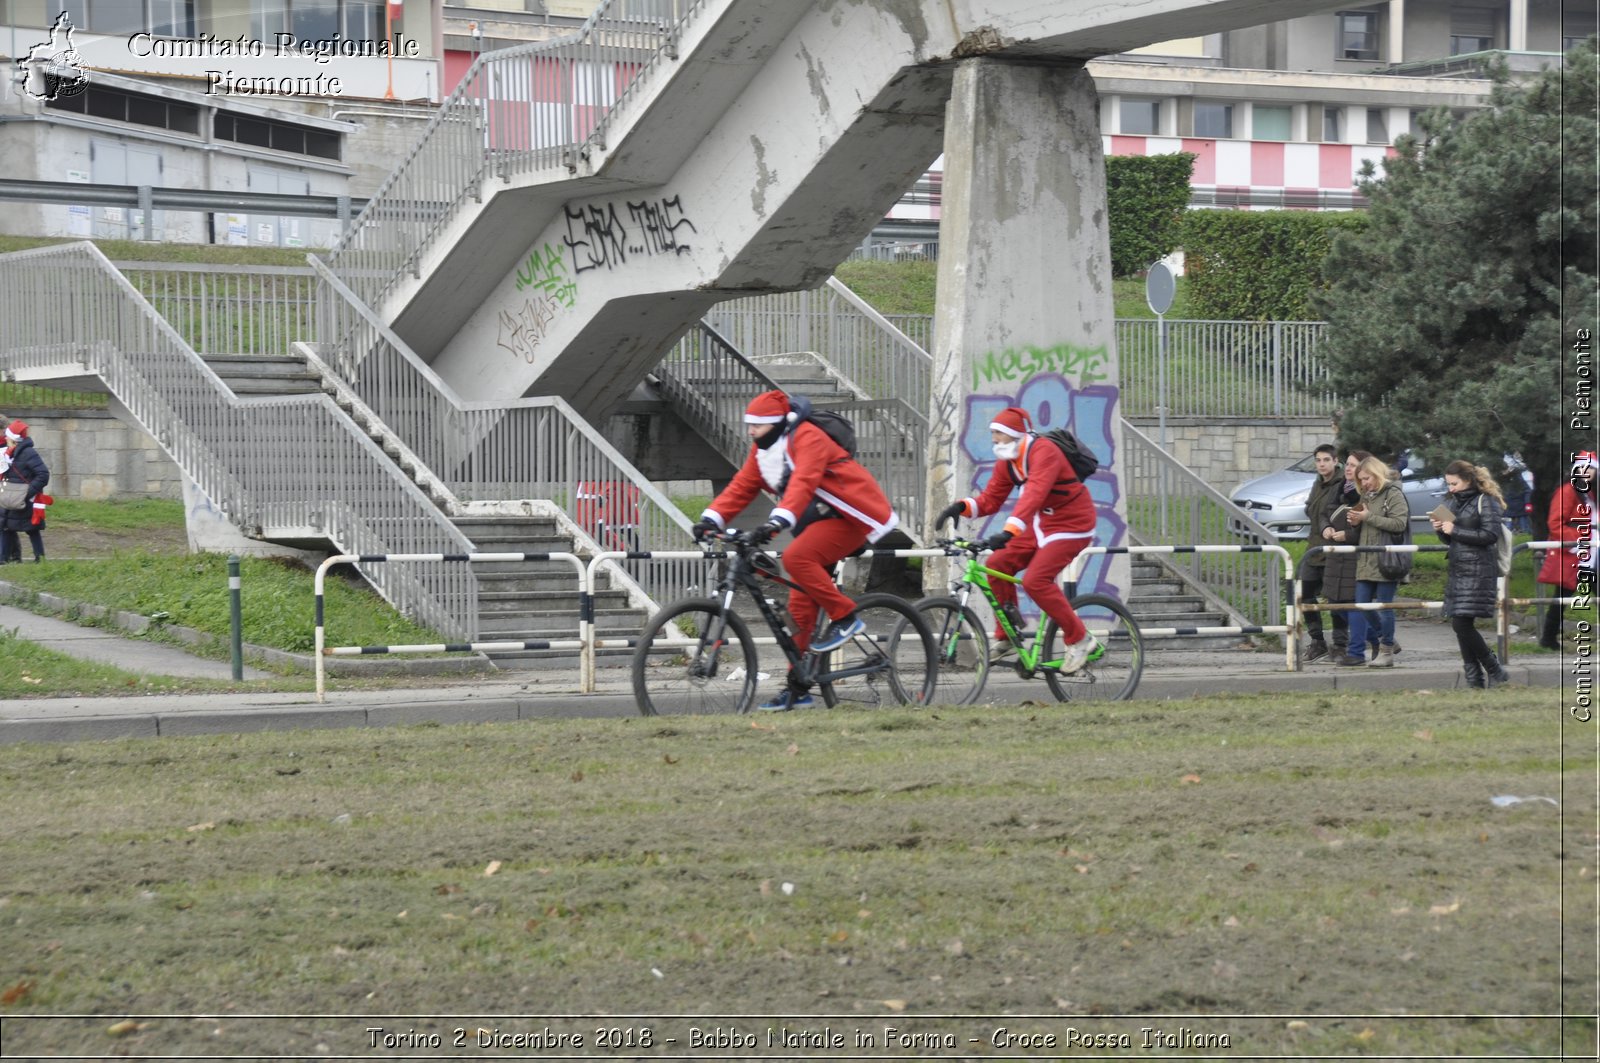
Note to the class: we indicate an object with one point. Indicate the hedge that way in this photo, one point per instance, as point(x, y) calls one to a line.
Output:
point(1146, 197)
point(1258, 265)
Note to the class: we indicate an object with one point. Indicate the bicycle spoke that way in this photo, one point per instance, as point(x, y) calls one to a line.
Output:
point(892, 662)
point(679, 668)
point(1115, 676)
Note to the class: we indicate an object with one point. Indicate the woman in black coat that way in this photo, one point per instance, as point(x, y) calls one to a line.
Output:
point(23, 466)
point(1471, 581)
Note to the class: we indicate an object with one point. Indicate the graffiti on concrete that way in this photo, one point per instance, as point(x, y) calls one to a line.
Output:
point(1086, 365)
point(546, 270)
point(600, 238)
point(522, 329)
point(1055, 402)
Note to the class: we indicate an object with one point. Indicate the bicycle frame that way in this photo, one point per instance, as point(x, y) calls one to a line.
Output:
point(976, 574)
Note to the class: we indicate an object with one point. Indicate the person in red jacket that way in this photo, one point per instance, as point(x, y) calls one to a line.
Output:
point(829, 500)
point(1050, 525)
point(1572, 520)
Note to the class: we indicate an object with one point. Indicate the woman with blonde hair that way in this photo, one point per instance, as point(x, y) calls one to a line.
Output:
point(1381, 510)
point(1473, 536)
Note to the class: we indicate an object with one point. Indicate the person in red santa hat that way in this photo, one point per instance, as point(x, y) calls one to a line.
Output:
point(830, 502)
point(1572, 520)
point(23, 465)
point(1050, 525)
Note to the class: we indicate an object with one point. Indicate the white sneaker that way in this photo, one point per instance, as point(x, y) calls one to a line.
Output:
point(1077, 654)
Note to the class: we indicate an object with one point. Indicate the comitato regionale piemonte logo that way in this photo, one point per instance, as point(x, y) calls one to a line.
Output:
point(53, 69)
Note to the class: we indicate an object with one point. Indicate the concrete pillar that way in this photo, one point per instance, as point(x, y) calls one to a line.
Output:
point(1024, 314)
point(1517, 29)
point(1395, 45)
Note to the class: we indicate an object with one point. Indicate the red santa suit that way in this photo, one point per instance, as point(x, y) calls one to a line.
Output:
point(1572, 520)
point(830, 500)
point(1051, 523)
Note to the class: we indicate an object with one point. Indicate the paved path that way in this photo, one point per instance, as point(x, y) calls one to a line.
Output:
point(1428, 661)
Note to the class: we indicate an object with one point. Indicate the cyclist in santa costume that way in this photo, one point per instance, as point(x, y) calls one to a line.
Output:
point(826, 497)
point(1050, 525)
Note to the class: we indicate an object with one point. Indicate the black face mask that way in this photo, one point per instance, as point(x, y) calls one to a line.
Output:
point(774, 433)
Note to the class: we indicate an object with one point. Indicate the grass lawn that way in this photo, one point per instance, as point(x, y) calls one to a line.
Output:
point(1314, 890)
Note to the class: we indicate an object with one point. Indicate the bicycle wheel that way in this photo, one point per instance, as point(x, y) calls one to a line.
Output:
point(678, 669)
point(963, 648)
point(1115, 676)
point(892, 662)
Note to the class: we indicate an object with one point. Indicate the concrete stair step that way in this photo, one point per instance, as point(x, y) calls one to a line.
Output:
point(1167, 603)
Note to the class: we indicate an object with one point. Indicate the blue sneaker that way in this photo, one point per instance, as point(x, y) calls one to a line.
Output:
point(786, 701)
point(838, 633)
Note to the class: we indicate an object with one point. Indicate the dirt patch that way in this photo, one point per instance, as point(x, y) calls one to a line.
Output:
point(65, 539)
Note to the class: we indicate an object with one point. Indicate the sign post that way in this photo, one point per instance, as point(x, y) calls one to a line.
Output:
point(1159, 289)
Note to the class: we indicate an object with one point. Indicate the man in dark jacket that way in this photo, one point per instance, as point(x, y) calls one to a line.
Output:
point(1320, 504)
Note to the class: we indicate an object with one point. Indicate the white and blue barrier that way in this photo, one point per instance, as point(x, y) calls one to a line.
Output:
point(585, 615)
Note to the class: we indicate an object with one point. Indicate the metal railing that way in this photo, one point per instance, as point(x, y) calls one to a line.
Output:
point(532, 448)
point(230, 309)
point(1225, 368)
point(1168, 505)
point(516, 111)
point(293, 467)
point(863, 347)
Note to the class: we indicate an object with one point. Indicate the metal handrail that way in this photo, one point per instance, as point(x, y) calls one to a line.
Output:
point(518, 110)
point(292, 467)
point(535, 448)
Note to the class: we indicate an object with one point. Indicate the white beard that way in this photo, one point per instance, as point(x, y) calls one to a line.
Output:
point(773, 462)
point(1007, 451)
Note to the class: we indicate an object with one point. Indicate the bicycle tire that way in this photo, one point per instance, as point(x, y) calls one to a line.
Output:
point(909, 671)
point(962, 644)
point(674, 676)
point(1115, 676)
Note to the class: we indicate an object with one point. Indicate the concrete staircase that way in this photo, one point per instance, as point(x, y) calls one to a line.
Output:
point(1159, 598)
point(521, 601)
point(256, 375)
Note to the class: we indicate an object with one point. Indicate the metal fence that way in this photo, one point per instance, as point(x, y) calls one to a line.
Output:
point(230, 309)
point(1168, 505)
point(1224, 368)
point(516, 111)
point(294, 467)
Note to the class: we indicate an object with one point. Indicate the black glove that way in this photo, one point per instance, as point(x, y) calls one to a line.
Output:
point(997, 540)
point(703, 529)
point(763, 534)
point(949, 513)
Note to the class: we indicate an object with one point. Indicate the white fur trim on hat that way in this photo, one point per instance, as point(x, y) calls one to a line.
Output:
point(751, 418)
point(996, 426)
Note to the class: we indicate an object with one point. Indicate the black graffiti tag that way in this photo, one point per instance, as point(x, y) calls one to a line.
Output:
point(599, 238)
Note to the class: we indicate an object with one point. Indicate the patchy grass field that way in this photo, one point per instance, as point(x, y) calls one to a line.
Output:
point(1334, 865)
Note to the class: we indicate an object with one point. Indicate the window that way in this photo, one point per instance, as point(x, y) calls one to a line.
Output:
point(164, 18)
point(1471, 30)
point(357, 20)
point(1213, 119)
point(1358, 34)
point(133, 107)
point(1140, 116)
point(1377, 126)
point(1333, 125)
point(280, 136)
point(1270, 122)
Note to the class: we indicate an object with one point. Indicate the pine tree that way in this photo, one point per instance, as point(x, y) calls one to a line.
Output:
point(1452, 311)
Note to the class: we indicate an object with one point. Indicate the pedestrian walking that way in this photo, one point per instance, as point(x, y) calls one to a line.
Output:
point(1326, 496)
point(1473, 573)
point(23, 465)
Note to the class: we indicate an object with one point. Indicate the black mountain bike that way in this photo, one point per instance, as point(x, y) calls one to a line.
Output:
point(697, 655)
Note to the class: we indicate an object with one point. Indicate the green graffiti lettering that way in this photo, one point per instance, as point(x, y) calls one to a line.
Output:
point(1081, 365)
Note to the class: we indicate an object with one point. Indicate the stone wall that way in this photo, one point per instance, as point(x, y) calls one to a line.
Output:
point(99, 453)
point(1228, 453)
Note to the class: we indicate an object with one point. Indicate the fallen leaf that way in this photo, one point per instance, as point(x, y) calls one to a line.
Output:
point(16, 992)
point(840, 935)
point(30, 679)
point(766, 887)
point(895, 1005)
point(1190, 778)
point(494, 865)
point(125, 1027)
point(763, 726)
point(1366, 1034)
point(1232, 920)
point(1423, 735)
point(793, 750)
point(577, 776)
point(1297, 1025)
point(1082, 869)
point(446, 888)
point(1445, 909)
point(669, 758)
point(201, 826)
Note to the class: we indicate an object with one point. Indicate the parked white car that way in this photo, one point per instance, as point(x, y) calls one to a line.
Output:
point(1278, 499)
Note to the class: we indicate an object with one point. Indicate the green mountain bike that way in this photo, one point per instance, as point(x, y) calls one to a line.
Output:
point(964, 646)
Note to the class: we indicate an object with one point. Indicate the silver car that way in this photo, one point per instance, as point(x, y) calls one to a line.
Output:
point(1278, 499)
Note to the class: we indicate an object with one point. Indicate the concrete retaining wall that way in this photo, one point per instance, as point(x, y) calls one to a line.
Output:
point(1227, 453)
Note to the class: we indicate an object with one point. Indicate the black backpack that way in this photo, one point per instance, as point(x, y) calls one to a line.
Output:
point(837, 425)
point(1081, 458)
